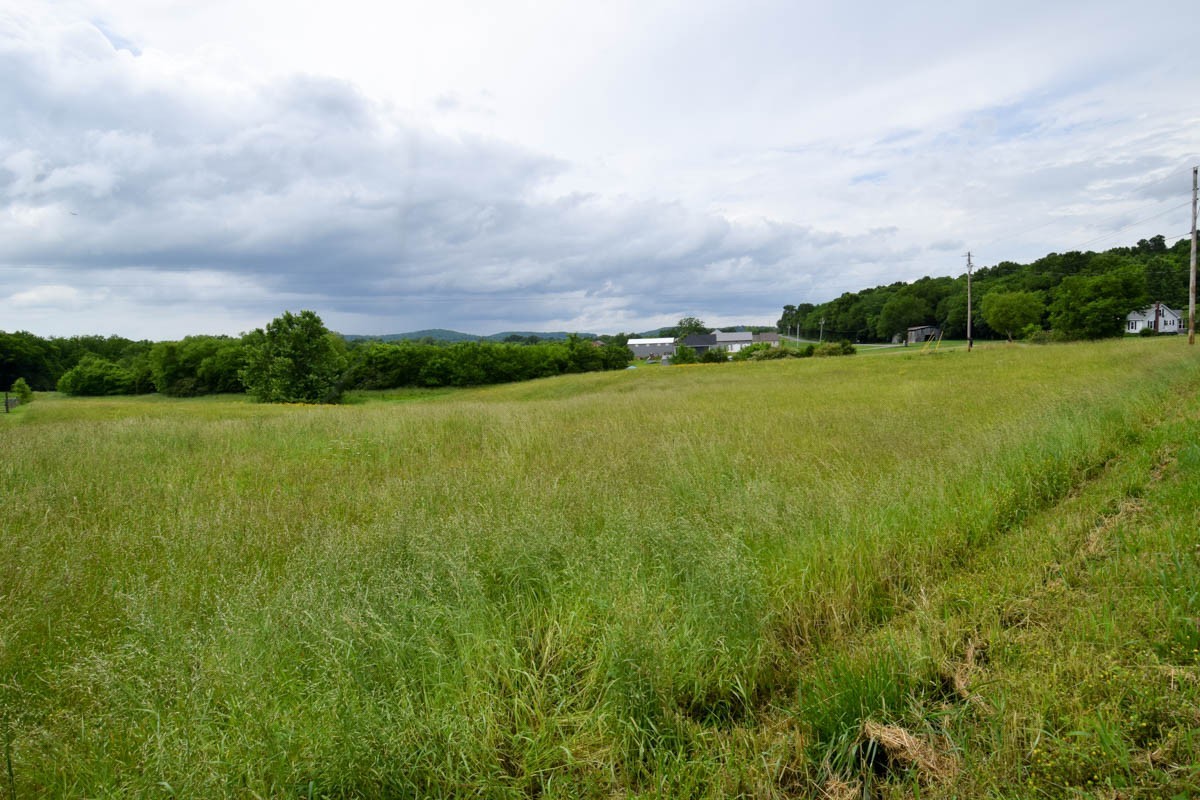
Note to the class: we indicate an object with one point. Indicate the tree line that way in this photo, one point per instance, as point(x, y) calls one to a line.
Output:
point(295, 359)
point(1075, 295)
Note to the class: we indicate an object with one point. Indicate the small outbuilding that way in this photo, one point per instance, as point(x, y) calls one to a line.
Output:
point(769, 338)
point(922, 333)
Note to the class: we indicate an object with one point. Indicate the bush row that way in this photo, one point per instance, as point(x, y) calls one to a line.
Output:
point(199, 365)
point(762, 351)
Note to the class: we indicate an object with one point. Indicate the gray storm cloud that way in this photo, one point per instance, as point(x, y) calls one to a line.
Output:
point(306, 188)
point(140, 184)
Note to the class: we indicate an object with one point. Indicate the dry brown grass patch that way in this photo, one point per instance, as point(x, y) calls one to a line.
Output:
point(838, 788)
point(907, 751)
point(961, 673)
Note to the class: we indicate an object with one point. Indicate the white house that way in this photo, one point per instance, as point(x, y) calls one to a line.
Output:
point(1157, 317)
point(651, 348)
point(734, 340)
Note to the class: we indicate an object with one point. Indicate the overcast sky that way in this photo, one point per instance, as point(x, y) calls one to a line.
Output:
point(171, 168)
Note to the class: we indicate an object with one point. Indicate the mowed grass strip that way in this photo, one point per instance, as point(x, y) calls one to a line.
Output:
point(1060, 661)
point(584, 586)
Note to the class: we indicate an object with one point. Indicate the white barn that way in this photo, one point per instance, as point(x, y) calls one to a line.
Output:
point(651, 348)
point(1157, 317)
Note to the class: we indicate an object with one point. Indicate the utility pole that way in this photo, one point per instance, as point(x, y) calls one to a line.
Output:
point(822, 330)
point(1192, 283)
point(970, 341)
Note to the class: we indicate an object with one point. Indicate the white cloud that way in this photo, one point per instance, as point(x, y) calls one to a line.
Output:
point(57, 297)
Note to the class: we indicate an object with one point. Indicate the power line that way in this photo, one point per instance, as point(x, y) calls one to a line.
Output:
point(1111, 234)
point(1114, 218)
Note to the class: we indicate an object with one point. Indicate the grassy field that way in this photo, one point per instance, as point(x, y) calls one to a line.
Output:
point(925, 575)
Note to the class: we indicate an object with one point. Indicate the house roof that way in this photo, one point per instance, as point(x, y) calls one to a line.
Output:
point(663, 340)
point(734, 336)
point(699, 339)
point(1147, 313)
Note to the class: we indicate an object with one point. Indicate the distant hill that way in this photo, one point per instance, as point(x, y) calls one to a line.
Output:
point(440, 334)
point(500, 337)
point(444, 335)
point(669, 331)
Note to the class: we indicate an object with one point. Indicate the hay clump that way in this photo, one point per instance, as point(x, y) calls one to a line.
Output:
point(836, 788)
point(905, 751)
point(965, 671)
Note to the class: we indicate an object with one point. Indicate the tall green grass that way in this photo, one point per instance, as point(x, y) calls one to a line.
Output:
point(642, 582)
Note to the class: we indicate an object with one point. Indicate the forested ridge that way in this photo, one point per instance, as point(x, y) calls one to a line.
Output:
point(1073, 295)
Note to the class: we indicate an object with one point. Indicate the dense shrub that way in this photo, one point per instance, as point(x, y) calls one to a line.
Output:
point(388, 365)
point(96, 376)
point(827, 349)
point(41, 362)
point(379, 365)
point(21, 389)
point(684, 355)
point(763, 351)
point(197, 365)
point(749, 352)
point(1034, 334)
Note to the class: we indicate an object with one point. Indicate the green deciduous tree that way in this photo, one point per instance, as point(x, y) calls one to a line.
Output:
point(24, 355)
point(297, 360)
point(689, 325)
point(952, 317)
point(615, 355)
point(860, 316)
point(1010, 312)
point(793, 318)
point(901, 312)
point(1095, 306)
point(1167, 280)
point(583, 356)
